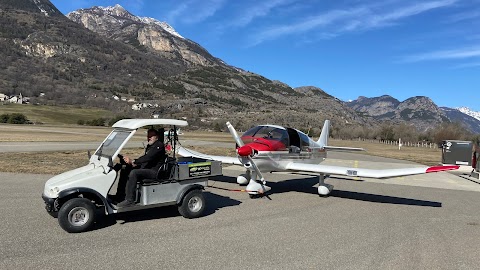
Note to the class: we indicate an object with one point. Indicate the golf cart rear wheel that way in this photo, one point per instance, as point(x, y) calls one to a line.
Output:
point(76, 215)
point(193, 204)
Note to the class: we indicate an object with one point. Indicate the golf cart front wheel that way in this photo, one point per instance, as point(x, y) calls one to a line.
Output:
point(193, 204)
point(76, 215)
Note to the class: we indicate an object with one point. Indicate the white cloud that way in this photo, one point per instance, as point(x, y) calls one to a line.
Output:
point(308, 24)
point(463, 53)
point(361, 18)
point(404, 12)
point(259, 10)
point(195, 11)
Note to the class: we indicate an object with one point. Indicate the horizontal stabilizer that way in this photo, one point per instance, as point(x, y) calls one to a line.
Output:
point(340, 148)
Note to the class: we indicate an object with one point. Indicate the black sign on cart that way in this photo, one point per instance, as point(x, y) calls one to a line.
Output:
point(199, 169)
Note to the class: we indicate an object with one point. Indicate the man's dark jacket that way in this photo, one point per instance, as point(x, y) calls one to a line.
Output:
point(153, 158)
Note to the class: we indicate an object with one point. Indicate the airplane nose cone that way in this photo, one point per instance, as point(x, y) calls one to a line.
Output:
point(244, 151)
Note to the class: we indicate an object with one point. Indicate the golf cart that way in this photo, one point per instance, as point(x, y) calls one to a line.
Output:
point(75, 196)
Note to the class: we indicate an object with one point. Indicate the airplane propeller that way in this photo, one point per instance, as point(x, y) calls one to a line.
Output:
point(246, 153)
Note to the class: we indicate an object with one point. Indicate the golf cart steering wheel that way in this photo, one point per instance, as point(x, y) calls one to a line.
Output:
point(120, 157)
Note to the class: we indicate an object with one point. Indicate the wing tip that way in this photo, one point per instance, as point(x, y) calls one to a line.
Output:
point(442, 168)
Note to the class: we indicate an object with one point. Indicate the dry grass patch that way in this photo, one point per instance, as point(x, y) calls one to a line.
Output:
point(426, 156)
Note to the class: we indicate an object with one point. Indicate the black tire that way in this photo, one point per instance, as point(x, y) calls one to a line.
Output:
point(193, 204)
point(76, 215)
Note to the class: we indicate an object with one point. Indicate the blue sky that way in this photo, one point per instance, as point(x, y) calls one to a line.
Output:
point(349, 48)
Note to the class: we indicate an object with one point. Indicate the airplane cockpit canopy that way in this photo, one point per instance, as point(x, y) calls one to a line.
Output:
point(276, 138)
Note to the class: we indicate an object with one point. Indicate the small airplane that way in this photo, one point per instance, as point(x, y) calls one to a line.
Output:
point(271, 148)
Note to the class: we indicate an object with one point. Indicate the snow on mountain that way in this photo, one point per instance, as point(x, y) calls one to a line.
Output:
point(468, 111)
point(164, 25)
point(118, 10)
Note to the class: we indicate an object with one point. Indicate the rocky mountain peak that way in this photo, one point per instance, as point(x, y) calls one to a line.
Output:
point(312, 90)
point(469, 112)
point(118, 10)
point(375, 106)
point(39, 6)
point(143, 33)
point(420, 110)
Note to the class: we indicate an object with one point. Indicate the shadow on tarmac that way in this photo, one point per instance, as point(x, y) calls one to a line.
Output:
point(305, 185)
point(359, 196)
point(214, 202)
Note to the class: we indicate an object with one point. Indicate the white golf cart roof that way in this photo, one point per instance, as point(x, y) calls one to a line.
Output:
point(138, 123)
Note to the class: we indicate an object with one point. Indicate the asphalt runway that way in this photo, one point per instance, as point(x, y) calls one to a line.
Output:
point(75, 146)
point(364, 224)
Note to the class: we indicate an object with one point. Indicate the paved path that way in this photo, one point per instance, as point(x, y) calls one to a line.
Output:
point(362, 225)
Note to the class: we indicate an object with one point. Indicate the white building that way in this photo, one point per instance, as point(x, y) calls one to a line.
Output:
point(13, 99)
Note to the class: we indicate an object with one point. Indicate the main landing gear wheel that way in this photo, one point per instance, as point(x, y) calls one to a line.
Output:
point(76, 215)
point(323, 188)
point(193, 204)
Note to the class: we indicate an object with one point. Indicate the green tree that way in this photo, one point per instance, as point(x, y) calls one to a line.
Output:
point(4, 118)
point(17, 118)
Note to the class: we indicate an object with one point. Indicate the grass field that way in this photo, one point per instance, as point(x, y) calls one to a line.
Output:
point(54, 115)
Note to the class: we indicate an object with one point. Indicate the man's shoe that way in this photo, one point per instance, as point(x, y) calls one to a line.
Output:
point(125, 203)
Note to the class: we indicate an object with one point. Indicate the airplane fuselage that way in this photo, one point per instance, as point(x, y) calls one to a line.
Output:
point(273, 147)
point(268, 161)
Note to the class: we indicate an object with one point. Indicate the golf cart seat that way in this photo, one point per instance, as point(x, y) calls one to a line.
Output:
point(163, 173)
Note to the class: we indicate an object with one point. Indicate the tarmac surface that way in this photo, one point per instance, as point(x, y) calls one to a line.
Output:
point(429, 221)
point(8, 147)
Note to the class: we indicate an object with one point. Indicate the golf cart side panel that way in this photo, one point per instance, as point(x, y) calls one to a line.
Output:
point(188, 173)
point(167, 193)
point(192, 167)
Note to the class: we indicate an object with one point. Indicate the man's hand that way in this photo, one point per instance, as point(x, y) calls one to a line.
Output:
point(129, 161)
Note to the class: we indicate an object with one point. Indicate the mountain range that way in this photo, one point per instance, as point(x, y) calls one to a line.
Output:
point(419, 111)
point(92, 54)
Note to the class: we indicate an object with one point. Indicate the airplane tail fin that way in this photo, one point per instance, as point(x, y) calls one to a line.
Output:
point(323, 139)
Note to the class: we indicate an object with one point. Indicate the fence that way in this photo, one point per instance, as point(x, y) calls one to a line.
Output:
point(402, 144)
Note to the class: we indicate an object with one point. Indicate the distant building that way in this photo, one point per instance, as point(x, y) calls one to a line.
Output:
point(13, 99)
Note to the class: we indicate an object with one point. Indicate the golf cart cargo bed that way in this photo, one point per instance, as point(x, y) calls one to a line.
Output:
point(192, 167)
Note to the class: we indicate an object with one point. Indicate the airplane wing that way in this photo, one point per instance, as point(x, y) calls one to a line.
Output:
point(369, 173)
point(182, 151)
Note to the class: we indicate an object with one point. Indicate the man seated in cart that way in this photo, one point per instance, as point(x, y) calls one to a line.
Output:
point(144, 167)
